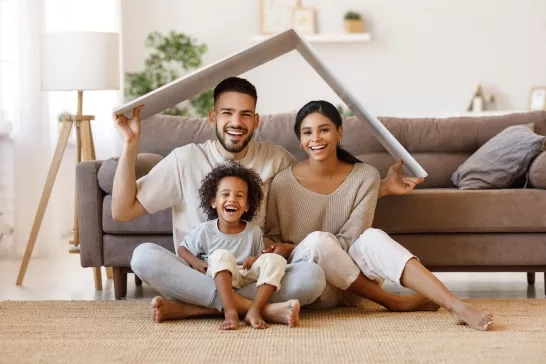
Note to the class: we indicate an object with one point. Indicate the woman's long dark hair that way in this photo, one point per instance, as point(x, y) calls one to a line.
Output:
point(329, 111)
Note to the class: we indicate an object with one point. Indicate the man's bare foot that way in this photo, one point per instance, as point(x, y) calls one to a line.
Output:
point(415, 302)
point(472, 316)
point(231, 321)
point(254, 318)
point(164, 309)
point(287, 313)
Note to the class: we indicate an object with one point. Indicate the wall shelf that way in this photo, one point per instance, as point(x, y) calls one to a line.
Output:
point(326, 38)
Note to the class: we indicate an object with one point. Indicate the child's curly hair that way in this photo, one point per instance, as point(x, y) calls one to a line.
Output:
point(209, 187)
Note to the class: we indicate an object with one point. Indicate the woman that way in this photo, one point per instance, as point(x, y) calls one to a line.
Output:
point(325, 207)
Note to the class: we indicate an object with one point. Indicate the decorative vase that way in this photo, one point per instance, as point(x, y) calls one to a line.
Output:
point(354, 26)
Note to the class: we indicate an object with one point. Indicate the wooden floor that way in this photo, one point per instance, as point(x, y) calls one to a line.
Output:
point(64, 279)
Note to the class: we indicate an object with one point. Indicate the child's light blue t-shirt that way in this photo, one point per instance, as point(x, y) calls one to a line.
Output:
point(205, 238)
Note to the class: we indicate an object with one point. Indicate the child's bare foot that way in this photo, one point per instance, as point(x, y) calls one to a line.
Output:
point(254, 318)
point(231, 321)
point(473, 316)
point(415, 302)
point(287, 313)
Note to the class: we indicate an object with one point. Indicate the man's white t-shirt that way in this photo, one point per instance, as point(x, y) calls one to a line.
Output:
point(175, 180)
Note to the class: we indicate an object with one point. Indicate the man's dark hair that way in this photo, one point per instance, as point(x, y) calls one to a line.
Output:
point(209, 187)
point(235, 84)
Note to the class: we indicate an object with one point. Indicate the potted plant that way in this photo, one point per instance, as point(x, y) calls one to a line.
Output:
point(353, 22)
point(173, 54)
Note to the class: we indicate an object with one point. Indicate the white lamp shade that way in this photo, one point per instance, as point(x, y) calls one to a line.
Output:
point(80, 61)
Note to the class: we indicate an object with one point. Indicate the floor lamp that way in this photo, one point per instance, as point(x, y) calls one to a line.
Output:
point(74, 61)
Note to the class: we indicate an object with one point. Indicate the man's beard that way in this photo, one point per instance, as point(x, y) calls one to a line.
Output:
point(232, 147)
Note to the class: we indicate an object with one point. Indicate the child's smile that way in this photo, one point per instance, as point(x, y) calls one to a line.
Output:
point(231, 200)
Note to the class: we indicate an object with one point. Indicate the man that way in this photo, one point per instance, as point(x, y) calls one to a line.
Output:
point(175, 181)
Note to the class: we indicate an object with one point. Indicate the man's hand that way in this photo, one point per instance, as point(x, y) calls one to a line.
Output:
point(283, 249)
point(396, 183)
point(248, 262)
point(200, 265)
point(129, 129)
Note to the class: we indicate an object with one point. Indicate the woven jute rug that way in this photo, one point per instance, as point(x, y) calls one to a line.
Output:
point(123, 332)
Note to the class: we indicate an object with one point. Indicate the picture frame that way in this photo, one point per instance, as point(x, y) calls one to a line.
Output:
point(537, 98)
point(303, 20)
point(276, 15)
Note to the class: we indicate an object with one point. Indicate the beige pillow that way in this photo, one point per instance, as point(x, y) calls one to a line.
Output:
point(502, 161)
point(537, 171)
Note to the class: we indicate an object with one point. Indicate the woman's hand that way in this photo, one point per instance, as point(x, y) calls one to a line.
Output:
point(396, 183)
point(283, 249)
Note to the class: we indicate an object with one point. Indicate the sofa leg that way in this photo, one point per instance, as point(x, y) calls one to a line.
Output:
point(120, 282)
point(138, 281)
point(531, 277)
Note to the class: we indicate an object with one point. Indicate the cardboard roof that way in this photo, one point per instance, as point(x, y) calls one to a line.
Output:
point(254, 56)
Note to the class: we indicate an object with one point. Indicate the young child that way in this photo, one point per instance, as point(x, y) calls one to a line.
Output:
point(228, 246)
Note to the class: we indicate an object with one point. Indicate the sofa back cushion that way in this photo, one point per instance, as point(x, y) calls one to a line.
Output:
point(163, 133)
point(440, 145)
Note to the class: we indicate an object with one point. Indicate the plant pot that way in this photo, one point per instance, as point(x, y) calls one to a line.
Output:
point(354, 26)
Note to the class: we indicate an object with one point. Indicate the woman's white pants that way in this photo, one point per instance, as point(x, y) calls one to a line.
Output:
point(374, 253)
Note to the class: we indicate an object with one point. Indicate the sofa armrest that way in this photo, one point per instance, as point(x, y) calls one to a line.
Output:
point(537, 171)
point(90, 197)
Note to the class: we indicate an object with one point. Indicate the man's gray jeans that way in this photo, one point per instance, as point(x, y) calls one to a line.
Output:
point(173, 277)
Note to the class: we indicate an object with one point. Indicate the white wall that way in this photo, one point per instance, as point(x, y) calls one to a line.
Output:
point(425, 58)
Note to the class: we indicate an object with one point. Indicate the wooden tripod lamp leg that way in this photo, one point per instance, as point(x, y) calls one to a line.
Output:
point(46, 194)
point(75, 248)
point(76, 239)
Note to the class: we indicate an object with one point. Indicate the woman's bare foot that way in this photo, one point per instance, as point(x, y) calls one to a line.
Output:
point(472, 316)
point(415, 302)
point(231, 321)
point(287, 313)
point(254, 318)
point(164, 309)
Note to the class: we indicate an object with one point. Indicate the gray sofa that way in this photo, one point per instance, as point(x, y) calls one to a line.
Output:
point(447, 228)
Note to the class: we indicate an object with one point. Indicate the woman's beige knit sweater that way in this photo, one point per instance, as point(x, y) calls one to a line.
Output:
point(293, 211)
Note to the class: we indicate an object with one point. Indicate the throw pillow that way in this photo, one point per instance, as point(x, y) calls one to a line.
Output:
point(537, 171)
point(144, 163)
point(502, 161)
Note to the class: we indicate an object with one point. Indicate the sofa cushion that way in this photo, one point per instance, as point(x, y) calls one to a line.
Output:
point(118, 249)
point(458, 211)
point(502, 161)
point(465, 134)
point(461, 134)
point(163, 133)
point(439, 166)
point(156, 223)
point(476, 252)
point(537, 171)
point(144, 163)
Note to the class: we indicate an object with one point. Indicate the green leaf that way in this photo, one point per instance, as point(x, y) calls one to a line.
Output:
point(172, 55)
